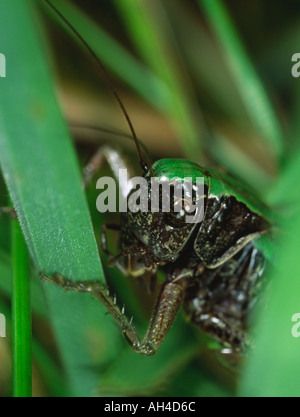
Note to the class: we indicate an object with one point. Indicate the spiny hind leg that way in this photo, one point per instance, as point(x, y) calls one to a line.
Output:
point(164, 312)
point(102, 294)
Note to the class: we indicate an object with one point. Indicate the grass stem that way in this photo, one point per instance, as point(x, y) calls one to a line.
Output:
point(21, 316)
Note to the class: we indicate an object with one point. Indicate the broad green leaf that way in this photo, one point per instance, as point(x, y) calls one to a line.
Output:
point(41, 171)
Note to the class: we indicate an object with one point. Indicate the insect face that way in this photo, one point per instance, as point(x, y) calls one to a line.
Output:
point(163, 229)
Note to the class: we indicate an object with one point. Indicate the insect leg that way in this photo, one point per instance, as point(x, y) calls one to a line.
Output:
point(163, 315)
point(102, 294)
point(93, 166)
point(116, 162)
point(164, 312)
point(113, 260)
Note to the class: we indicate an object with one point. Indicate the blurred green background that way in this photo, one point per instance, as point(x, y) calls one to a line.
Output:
point(205, 80)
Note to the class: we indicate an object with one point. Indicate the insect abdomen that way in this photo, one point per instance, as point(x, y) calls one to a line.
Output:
point(221, 299)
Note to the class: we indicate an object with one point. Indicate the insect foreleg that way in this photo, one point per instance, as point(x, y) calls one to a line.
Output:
point(113, 260)
point(104, 153)
point(115, 161)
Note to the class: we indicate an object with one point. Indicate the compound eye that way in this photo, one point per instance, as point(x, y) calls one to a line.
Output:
point(174, 219)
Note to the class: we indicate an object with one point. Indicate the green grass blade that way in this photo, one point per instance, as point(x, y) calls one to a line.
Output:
point(256, 100)
point(21, 316)
point(239, 163)
point(52, 376)
point(40, 168)
point(278, 195)
point(274, 367)
point(132, 72)
point(141, 20)
point(50, 372)
point(159, 84)
point(37, 296)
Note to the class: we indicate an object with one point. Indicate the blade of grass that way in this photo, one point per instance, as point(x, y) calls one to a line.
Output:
point(239, 163)
point(273, 369)
point(145, 22)
point(160, 85)
point(37, 296)
point(252, 90)
point(21, 316)
point(208, 69)
point(42, 174)
point(278, 194)
point(133, 72)
point(52, 375)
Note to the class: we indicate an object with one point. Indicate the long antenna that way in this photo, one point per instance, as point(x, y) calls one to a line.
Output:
point(145, 167)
